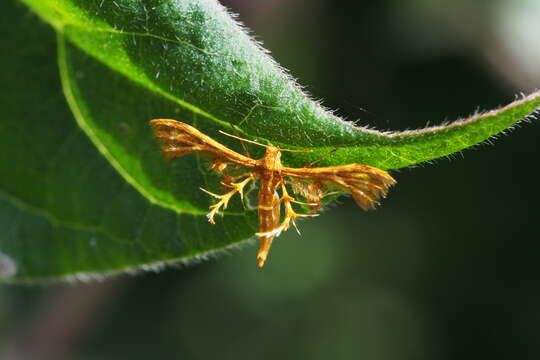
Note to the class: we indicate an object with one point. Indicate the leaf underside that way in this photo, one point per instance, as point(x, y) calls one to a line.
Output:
point(69, 209)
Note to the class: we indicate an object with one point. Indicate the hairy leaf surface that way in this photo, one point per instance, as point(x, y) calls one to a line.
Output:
point(94, 195)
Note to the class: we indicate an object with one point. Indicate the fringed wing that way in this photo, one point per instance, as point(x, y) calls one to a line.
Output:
point(179, 139)
point(367, 184)
point(310, 190)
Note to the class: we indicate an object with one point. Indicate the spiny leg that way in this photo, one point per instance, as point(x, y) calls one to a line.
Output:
point(224, 199)
point(290, 214)
point(228, 180)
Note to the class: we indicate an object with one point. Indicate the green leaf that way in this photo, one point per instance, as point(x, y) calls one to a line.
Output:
point(69, 209)
point(64, 211)
point(192, 53)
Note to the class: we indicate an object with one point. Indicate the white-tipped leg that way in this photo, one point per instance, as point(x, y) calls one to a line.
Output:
point(224, 199)
point(290, 214)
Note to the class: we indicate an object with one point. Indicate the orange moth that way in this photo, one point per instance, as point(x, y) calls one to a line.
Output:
point(367, 184)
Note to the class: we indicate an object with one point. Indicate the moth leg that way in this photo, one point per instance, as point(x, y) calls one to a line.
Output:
point(290, 214)
point(224, 199)
point(227, 183)
point(229, 179)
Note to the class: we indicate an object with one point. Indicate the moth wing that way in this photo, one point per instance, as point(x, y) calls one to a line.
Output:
point(178, 139)
point(367, 184)
point(311, 191)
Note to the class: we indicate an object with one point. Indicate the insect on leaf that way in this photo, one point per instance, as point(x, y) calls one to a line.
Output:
point(367, 184)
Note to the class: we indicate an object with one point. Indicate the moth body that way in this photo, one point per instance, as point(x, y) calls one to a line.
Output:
point(366, 183)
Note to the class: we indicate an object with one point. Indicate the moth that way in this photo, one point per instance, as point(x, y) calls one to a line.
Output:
point(366, 184)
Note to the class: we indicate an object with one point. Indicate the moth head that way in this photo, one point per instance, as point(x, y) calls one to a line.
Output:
point(273, 151)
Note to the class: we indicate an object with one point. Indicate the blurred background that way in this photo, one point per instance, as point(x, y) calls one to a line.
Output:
point(447, 268)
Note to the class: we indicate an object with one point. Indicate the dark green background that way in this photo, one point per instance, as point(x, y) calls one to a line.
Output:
point(446, 269)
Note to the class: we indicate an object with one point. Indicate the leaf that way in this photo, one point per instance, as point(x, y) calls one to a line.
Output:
point(123, 63)
point(194, 54)
point(64, 211)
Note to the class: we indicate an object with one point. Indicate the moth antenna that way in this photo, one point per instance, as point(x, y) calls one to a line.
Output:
point(242, 139)
point(244, 147)
point(320, 158)
point(290, 150)
point(258, 143)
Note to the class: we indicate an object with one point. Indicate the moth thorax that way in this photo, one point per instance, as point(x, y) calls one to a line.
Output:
point(272, 159)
